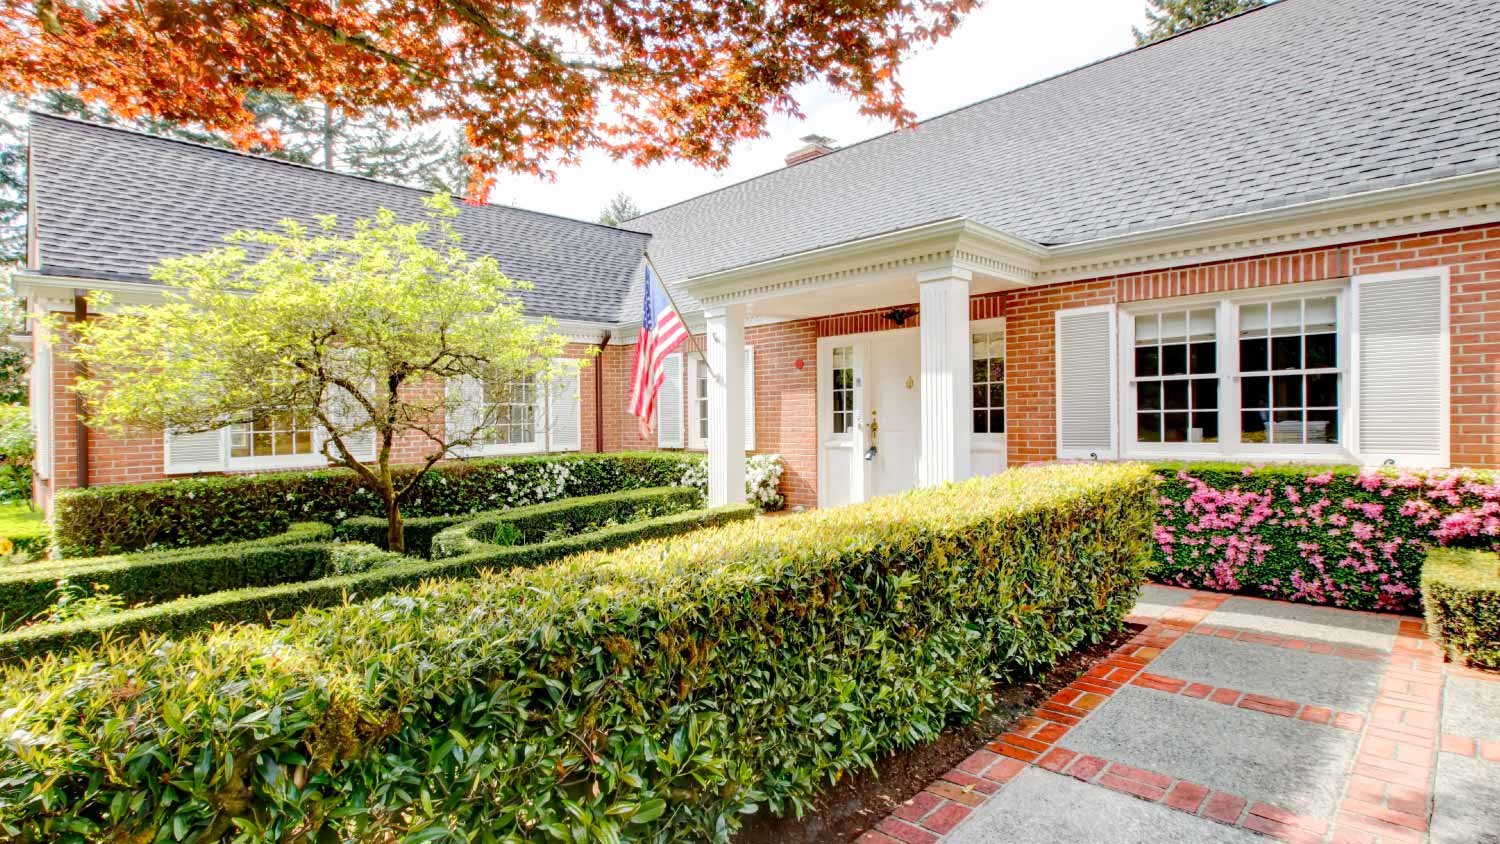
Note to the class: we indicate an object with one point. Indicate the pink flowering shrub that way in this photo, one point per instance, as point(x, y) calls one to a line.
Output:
point(1343, 537)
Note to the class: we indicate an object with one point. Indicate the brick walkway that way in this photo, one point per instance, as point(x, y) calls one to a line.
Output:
point(1228, 719)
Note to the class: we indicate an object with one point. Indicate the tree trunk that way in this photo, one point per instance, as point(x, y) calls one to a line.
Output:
point(395, 537)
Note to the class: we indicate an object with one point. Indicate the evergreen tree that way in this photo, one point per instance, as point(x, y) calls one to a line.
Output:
point(1169, 17)
point(619, 209)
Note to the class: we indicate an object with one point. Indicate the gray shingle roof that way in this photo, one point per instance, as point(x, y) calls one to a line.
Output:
point(110, 202)
point(1300, 100)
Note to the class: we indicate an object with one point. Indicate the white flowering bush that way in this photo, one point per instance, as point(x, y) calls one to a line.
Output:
point(762, 479)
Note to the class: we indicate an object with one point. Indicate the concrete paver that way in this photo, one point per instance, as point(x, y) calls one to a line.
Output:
point(1300, 621)
point(1467, 800)
point(1471, 707)
point(1318, 679)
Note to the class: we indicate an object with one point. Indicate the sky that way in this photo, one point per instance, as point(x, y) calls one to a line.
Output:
point(1002, 46)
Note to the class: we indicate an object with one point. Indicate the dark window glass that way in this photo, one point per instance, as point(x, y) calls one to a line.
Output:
point(1174, 359)
point(1204, 358)
point(1286, 352)
point(1253, 426)
point(1205, 428)
point(1286, 426)
point(1322, 351)
point(1147, 359)
point(1176, 395)
point(997, 421)
point(1288, 390)
point(1255, 391)
point(1205, 393)
point(1323, 390)
point(1323, 426)
point(1148, 395)
point(1148, 427)
point(1253, 355)
point(981, 422)
point(1174, 427)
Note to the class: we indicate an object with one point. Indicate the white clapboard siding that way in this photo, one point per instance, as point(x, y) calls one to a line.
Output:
point(346, 413)
point(671, 432)
point(749, 398)
point(194, 452)
point(1086, 382)
point(465, 410)
point(1401, 368)
point(564, 409)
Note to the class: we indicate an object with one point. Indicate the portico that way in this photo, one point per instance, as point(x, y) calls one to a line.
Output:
point(897, 406)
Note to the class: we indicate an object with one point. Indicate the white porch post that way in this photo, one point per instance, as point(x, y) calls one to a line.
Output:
point(726, 405)
point(947, 399)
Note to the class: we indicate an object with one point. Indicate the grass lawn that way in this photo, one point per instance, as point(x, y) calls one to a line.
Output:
point(23, 526)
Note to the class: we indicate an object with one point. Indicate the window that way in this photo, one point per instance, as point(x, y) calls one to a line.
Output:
point(1252, 374)
point(1289, 376)
point(698, 401)
point(273, 435)
point(988, 357)
point(843, 389)
point(1176, 377)
point(509, 412)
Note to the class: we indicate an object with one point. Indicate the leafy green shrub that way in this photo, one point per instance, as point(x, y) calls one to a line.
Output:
point(654, 693)
point(1461, 597)
point(17, 446)
point(1327, 535)
point(371, 572)
point(560, 519)
point(202, 511)
point(26, 591)
point(762, 480)
point(569, 514)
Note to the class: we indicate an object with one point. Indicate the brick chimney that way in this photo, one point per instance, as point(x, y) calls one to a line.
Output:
point(813, 147)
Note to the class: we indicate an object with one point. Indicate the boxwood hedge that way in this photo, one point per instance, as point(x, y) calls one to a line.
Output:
point(568, 514)
point(381, 572)
point(1461, 597)
point(201, 511)
point(152, 577)
point(1342, 536)
point(655, 693)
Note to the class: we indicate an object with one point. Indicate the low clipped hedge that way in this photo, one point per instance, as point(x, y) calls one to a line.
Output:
point(302, 553)
point(1341, 536)
point(532, 522)
point(206, 510)
point(656, 693)
point(1461, 597)
point(385, 572)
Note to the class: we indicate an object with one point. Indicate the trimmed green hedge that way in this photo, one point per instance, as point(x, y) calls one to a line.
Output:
point(1340, 536)
point(387, 572)
point(206, 510)
point(574, 514)
point(302, 553)
point(1461, 597)
point(655, 693)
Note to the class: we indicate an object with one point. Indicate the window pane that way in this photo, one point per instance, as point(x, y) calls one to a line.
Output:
point(1148, 427)
point(1174, 359)
point(1205, 393)
point(262, 442)
point(1253, 356)
point(839, 424)
point(1204, 358)
point(981, 422)
point(1148, 395)
point(997, 421)
point(1173, 327)
point(997, 369)
point(1146, 330)
point(1205, 428)
point(1252, 320)
point(1174, 427)
point(1287, 426)
point(1286, 352)
point(1253, 426)
point(1322, 351)
point(304, 442)
point(1318, 315)
point(1322, 426)
point(1255, 392)
point(997, 395)
point(1323, 390)
point(981, 394)
point(1287, 391)
point(1286, 317)
point(282, 442)
point(1147, 360)
point(1202, 325)
point(981, 371)
point(1176, 395)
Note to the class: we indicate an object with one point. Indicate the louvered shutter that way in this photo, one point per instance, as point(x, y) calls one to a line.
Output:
point(348, 413)
point(749, 398)
point(1401, 368)
point(564, 432)
point(195, 452)
point(465, 409)
point(1086, 382)
point(670, 430)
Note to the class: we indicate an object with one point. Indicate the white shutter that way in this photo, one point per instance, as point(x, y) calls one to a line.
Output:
point(1401, 367)
point(1086, 382)
point(749, 398)
point(670, 429)
point(465, 409)
point(200, 452)
point(41, 403)
point(347, 412)
point(564, 410)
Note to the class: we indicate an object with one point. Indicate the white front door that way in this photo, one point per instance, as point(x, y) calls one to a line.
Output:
point(894, 397)
point(868, 398)
point(841, 421)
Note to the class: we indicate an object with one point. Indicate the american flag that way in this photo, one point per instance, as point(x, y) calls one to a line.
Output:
point(662, 330)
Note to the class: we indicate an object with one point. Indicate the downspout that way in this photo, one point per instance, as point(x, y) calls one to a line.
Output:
point(599, 396)
point(81, 434)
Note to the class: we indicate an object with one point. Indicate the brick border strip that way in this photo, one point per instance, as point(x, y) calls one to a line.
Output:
point(1474, 748)
point(939, 807)
point(1351, 721)
point(1237, 634)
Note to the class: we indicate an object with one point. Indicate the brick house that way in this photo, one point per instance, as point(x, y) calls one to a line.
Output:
point(1273, 238)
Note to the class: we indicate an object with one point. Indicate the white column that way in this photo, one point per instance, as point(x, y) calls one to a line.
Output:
point(726, 405)
point(947, 391)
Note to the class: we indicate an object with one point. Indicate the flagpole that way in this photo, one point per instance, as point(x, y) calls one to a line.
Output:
point(668, 290)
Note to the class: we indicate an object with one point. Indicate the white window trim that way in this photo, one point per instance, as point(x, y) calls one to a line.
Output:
point(538, 443)
point(990, 442)
point(694, 361)
point(1229, 447)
